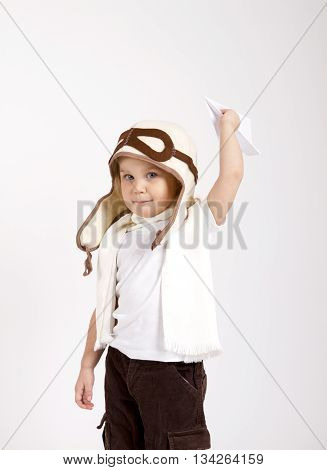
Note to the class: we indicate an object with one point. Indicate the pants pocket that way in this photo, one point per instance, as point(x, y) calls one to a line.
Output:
point(192, 439)
point(106, 437)
point(186, 376)
point(204, 385)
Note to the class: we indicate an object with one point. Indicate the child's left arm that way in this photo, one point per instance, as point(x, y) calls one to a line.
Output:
point(223, 192)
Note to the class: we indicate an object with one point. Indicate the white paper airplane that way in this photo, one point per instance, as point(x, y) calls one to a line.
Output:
point(243, 132)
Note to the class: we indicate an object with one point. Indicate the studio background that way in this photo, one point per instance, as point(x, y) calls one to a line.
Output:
point(74, 75)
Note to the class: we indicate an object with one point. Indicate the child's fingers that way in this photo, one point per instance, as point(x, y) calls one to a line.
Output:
point(80, 398)
point(87, 397)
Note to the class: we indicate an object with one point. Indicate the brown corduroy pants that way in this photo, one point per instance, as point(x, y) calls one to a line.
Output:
point(153, 404)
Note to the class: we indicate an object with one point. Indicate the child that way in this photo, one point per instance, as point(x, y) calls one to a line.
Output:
point(154, 297)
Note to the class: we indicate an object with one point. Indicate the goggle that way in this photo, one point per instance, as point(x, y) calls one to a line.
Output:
point(130, 138)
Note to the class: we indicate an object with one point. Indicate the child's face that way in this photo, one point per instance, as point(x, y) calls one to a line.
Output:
point(143, 181)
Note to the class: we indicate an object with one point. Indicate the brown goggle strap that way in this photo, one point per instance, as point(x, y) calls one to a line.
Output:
point(130, 137)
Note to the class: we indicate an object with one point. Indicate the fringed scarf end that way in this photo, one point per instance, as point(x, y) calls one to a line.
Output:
point(193, 353)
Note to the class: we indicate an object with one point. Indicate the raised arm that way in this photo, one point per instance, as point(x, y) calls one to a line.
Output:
point(223, 192)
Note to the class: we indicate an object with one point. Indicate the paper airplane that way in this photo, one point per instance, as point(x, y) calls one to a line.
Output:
point(243, 132)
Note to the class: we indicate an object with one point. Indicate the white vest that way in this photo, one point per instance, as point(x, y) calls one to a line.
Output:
point(189, 309)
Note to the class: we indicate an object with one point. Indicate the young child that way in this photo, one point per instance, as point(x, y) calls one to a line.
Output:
point(155, 306)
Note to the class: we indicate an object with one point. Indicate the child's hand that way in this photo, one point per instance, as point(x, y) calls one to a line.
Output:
point(83, 388)
point(229, 118)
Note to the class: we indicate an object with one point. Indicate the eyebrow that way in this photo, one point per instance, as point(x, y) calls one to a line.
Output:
point(122, 170)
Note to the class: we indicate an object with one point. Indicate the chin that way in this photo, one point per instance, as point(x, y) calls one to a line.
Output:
point(143, 210)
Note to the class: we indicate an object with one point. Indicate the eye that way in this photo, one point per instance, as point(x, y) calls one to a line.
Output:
point(126, 176)
point(152, 173)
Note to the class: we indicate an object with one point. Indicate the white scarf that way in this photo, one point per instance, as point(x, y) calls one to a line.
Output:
point(189, 309)
point(149, 221)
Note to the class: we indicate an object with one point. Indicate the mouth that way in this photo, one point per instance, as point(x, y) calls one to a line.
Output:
point(140, 202)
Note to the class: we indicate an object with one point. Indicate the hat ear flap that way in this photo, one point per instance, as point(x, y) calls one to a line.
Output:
point(107, 210)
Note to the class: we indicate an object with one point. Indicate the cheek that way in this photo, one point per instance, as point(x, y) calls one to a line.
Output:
point(124, 191)
point(162, 188)
point(168, 189)
point(123, 187)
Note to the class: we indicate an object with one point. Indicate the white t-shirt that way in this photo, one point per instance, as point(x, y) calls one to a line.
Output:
point(139, 331)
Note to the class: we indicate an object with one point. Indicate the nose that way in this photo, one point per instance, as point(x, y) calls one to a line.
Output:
point(139, 186)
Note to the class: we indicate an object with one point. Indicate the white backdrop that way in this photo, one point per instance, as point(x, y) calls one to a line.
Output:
point(74, 75)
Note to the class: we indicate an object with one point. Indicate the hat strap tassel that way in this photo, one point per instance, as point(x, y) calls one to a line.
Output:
point(88, 262)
